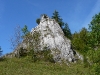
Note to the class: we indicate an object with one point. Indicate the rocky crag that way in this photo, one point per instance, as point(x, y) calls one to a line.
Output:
point(53, 37)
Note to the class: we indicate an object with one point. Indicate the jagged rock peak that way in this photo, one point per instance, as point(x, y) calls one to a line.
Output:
point(53, 37)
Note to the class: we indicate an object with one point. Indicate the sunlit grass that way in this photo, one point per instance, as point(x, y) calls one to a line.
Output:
point(24, 66)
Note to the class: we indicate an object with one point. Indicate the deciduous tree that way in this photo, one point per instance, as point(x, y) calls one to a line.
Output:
point(16, 40)
point(94, 28)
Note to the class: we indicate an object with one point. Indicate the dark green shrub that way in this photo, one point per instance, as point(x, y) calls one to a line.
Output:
point(94, 56)
point(38, 21)
point(47, 55)
point(22, 52)
point(96, 68)
point(42, 55)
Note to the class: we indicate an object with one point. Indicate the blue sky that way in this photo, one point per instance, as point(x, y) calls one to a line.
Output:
point(77, 13)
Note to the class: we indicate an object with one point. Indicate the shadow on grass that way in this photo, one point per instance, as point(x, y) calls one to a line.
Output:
point(2, 59)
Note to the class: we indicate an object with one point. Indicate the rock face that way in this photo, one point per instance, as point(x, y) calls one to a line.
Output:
point(53, 37)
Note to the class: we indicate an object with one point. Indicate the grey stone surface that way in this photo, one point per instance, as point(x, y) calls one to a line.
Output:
point(53, 37)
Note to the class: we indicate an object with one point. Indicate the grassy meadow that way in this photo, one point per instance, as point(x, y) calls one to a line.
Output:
point(24, 66)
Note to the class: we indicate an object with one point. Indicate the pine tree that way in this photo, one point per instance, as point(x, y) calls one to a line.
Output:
point(64, 26)
point(25, 30)
point(0, 51)
point(57, 18)
point(67, 31)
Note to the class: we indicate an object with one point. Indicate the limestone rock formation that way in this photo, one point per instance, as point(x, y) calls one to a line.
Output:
point(52, 36)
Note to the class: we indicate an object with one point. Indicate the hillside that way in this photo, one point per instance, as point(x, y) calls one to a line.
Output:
point(24, 66)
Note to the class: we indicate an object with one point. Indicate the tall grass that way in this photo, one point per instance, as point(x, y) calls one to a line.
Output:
point(24, 66)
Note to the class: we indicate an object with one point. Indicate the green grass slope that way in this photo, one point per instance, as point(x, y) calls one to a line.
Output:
point(24, 66)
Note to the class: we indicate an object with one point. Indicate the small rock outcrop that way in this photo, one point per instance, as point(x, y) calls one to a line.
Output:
point(52, 36)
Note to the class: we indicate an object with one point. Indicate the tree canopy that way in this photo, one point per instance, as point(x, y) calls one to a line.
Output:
point(94, 28)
